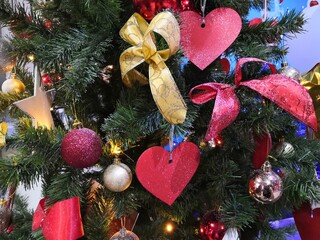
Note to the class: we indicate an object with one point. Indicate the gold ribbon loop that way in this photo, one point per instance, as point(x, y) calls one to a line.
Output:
point(140, 34)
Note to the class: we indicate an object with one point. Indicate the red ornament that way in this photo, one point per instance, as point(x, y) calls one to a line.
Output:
point(149, 8)
point(187, 5)
point(314, 3)
point(81, 148)
point(255, 22)
point(48, 24)
point(225, 65)
point(308, 222)
point(202, 45)
point(166, 178)
point(10, 229)
point(211, 228)
point(46, 79)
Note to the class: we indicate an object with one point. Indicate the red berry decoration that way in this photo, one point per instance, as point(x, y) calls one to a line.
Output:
point(81, 148)
point(46, 79)
point(211, 228)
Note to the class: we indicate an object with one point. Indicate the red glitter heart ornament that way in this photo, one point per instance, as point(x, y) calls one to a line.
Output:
point(202, 45)
point(166, 179)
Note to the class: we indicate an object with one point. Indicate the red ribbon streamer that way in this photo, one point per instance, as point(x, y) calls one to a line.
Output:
point(226, 107)
point(262, 149)
point(282, 90)
point(62, 221)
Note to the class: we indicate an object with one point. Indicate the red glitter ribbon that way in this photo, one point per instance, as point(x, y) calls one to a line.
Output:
point(282, 90)
point(62, 221)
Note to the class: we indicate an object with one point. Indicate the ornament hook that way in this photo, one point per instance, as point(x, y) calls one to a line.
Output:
point(203, 9)
point(171, 142)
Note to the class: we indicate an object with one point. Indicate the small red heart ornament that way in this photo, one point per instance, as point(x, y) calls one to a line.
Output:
point(202, 45)
point(166, 179)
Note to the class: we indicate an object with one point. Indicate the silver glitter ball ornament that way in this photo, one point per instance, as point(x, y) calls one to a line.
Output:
point(117, 177)
point(124, 234)
point(265, 186)
point(290, 72)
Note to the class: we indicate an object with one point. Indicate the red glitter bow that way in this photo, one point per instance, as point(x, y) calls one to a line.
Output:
point(282, 90)
point(62, 221)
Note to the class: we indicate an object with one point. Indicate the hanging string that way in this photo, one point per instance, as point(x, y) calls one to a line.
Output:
point(76, 123)
point(203, 9)
point(265, 11)
point(171, 142)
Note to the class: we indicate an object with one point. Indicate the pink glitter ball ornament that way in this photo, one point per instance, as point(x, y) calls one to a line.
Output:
point(81, 148)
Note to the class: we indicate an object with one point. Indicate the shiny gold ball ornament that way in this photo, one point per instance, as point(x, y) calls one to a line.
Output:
point(290, 72)
point(7, 61)
point(124, 234)
point(46, 4)
point(13, 85)
point(265, 186)
point(117, 177)
point(284, 149)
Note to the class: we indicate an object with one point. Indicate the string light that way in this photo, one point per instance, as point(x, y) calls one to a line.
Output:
point(31, 57)
point(114, 148)
point(169, 227)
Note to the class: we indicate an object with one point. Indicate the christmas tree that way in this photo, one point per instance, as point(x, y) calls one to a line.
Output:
point(166, 116)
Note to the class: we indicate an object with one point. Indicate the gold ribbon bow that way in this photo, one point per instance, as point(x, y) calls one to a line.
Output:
point(3, 132)
point(164, 90)
point(311, 81)
point(311, 78)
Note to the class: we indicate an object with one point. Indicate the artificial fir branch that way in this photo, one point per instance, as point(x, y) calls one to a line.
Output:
point(7, 100)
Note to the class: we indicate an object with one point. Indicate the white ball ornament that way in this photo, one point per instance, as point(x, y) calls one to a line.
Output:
point(117, 177)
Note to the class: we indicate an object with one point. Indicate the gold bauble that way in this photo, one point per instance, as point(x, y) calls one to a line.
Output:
point(7, 61)
point(117, 177)
point(13, 86)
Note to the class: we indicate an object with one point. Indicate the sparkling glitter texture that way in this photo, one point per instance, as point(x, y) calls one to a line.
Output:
point(202, 45)
point(81, 148)
point(165, 175)
point(211, 228)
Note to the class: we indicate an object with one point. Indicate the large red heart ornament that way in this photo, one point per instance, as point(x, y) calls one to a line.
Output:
point(166, 179)
point(202, 45)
